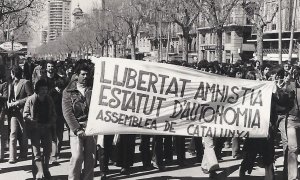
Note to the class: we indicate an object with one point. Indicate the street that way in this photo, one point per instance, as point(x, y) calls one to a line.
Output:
point(229, 168)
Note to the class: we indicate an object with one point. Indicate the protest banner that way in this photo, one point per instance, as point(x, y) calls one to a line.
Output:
point(138, 97)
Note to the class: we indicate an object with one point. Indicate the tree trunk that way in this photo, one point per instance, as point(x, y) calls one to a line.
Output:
point(292, 31)
point(87, 52)
point(133, 47)
point(107, 50)
point(280, 31)
point(102, 50)
point(185, 46)
point(219, 49)
point(123, 49)
point(92, 50)
point(259, 48)
point(114, 49)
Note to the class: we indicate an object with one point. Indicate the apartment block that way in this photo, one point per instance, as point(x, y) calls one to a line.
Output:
point(59, 18)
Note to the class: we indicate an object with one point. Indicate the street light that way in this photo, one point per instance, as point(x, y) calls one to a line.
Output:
point(12, 35)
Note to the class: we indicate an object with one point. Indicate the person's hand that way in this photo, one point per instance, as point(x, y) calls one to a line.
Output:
point(57, 89)
point(10, 105)
point(81, 133)
point(16, 103)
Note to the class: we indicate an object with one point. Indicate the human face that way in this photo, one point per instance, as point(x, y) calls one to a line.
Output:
point(70, 70)
point(266, 70)
point(239, 75)
point(257, 64)
point(82, 77)
point(42, 92)
point(286, 67)
point(50, 68)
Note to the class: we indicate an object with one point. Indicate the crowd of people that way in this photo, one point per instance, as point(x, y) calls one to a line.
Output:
point(45, 98)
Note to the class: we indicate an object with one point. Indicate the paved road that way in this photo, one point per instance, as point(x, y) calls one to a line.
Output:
point(229, 169)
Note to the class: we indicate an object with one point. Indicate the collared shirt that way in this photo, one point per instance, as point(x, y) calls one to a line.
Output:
point(81, 89)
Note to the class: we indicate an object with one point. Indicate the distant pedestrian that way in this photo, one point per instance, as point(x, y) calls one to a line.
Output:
point(18, 92)
point(3, 99)
point(28, 69)
point(55, 84)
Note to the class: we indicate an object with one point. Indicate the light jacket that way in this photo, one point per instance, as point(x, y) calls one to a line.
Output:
point(24, 90)
point(30, 111)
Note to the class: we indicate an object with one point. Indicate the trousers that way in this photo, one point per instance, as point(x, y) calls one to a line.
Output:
point(83, 150)
point(18, 132)
point(289, 129)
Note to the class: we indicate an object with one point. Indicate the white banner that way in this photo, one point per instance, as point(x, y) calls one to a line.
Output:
point(138, 97)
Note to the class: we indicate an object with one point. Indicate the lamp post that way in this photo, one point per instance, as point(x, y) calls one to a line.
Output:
point(12, 36)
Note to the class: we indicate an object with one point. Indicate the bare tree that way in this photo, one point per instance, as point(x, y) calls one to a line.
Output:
point(133, 13)
point(16, 15)
point(216, 13)
point(9, 7)
point(118, 34)
point(183, 13)
point(257, 13)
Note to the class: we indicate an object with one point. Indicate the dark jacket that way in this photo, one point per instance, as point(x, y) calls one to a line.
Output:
point(285, 98)
point(75, 106)
point(52, 83)
point(28, 70)
point(3, 95)
point(30, 111)
point(24, 90)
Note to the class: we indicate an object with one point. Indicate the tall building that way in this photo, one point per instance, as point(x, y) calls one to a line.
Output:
point(78, 16)
point(59, 14)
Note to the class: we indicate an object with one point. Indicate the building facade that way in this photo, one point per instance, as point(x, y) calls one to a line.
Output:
point(239, 36)
point(59, 18)
point(234, 38)
point(271, 32)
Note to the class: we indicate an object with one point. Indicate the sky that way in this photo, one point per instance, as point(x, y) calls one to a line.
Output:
point(85, 5)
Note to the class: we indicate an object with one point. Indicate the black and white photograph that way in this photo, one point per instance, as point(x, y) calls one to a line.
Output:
point(149, 89)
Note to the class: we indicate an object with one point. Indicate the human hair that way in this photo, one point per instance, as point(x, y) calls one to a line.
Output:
point(51, 62)
point(2, 77)
point(60, 83)
point(82, 67)
point(40, 83)
point(68, 66)
point(251, 75)
point(280, 74)
point(17, 71)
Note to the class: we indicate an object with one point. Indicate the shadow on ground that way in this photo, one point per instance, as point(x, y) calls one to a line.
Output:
point(16, 168)
point(60, 177)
